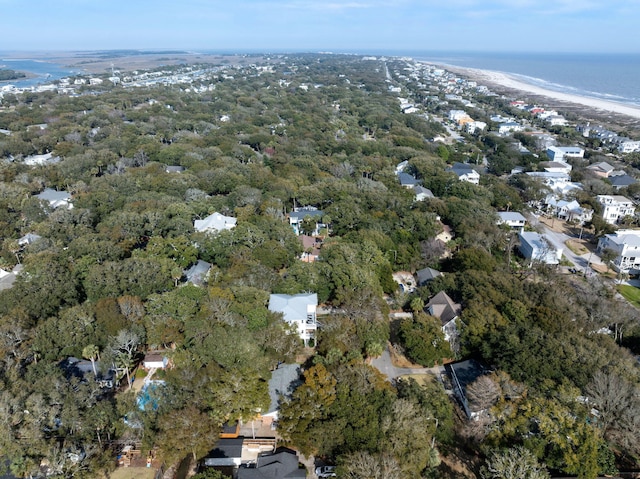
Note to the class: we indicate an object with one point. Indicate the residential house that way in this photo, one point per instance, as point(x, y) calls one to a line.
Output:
point(463, 374)
point(174, 169)
point(556, 167)
point(198, 273)
point(298, 310)
point(311, 248)
point(284, 380)
point(626, 244)
point(509, 127)
point(447, 311)
point(298, 215)
point(81, 368)
point(425, 275)
point(622, 181)
point(155, 360)
point(536, 247)
point(226, 453)
point(568, 210)
point(281, 465)
point(601, 169)
point(458, 115)
point(465, 173)
point(214, 223)
point(406, 180)
point(627, 145)
point(475, 126)
point(28, 239)
point(559, 153)
point(56, 199)
point(40, 160)
point(512, 219)
point(556, 120)
point(422, 193)
point(615, 207)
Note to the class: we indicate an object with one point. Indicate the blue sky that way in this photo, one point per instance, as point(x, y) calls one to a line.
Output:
point(330, 25)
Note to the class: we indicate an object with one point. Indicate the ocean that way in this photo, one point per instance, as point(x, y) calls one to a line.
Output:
point(612, 77)
point(44, 72)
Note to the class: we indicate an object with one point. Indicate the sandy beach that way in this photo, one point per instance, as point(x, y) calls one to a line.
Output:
point(598, 108)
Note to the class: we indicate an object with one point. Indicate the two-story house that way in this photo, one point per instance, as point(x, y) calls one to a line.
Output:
point(626, 244)
point(615, 207)
point(299, 310)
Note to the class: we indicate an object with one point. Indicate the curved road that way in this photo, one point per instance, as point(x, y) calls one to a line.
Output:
point(385, 366)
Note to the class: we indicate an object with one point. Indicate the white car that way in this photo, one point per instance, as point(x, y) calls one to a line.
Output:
point(326, 471)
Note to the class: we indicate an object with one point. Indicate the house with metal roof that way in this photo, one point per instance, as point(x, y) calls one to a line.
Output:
point(299, 310)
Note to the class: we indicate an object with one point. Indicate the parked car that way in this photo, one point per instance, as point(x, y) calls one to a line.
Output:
point(326, 471)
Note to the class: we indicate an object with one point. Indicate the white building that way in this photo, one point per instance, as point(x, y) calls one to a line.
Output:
point(474, 126)
point(56, 199)
point(465, 173)
point(559, 153)
point(615, 207)
point(625, 145)
point(508, 127)
point(299, 310)
point(215, 222)
point(626, 244)
point(513, 219)
point(536, 247)
point(457, 115)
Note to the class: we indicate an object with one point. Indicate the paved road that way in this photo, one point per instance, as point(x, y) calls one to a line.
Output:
point(558, 240)
point(386, 367)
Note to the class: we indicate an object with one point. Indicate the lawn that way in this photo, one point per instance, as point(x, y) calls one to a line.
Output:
point(133, 473)
point(630, 293)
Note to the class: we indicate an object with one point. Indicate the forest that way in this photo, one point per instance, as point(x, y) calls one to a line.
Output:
point(105, 281)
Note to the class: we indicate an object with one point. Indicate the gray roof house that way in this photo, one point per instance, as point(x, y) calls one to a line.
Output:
point(227, 453)
point(622, 181)
point(298, 310)
point(446, 310)
point(426, 274)
point(513, 219)
point(284, 380)
point(465, 172)
point(197, 274)
point(462, 374)
point(297, 216)
point(422, 193)
point(407, 180)
point(536, 247)
point(282, 465)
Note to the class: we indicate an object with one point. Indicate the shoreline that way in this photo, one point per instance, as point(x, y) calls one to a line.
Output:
point(595, 108)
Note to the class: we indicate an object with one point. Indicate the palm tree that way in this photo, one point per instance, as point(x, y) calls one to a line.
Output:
point(124, 361)
point(91, 352)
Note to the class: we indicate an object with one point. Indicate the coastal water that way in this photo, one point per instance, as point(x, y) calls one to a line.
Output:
point(613, 77)
point(44, 72)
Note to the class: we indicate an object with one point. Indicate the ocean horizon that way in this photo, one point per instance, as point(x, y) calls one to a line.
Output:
point(611, 77)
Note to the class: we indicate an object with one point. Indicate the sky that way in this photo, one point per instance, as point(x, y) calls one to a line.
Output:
point(394, 26)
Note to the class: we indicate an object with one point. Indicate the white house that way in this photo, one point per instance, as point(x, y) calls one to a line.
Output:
point(615, 207)
point(298, 215)
point(626, 145)
point(474, 126)
point(298, 310)
point(215, 222)
point(556, 120)
point(513, 219)
point(509, 127)
point(626, 244)
point(422, 193)
point(536, 247)
point(465, 173)
point(559, 153)
point(568, 210)
point(56, 199)
point(441, 306)
point(457, 115)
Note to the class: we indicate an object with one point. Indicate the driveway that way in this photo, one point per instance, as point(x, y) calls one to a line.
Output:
point(559, 239)
point(384, 364)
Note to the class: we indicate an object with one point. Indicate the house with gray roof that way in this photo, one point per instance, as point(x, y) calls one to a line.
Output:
point(465, 172)
point(198, 273)
point(282, 465)
point(406, 180)
point(298, 215)
point(626, 245)
point(512, 219)
point(422, 193)
point(284, 380)
point(298, 310)
point(425, 275)
point(622, 181)
point(447, 311)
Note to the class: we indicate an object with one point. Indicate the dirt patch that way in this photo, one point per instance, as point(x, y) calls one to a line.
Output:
point(577, 246)
point(398, 359)
point(458, 464)
point(421, 379)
